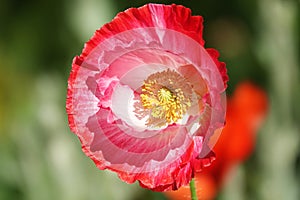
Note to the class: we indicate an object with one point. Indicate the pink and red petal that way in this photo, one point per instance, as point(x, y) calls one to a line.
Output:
point(221, 65)
point(172, 17)
point(178, 18)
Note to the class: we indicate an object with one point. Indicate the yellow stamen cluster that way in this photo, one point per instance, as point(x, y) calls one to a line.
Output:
point(166, 96)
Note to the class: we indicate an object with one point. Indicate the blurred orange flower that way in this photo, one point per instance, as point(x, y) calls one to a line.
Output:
point(246, 110)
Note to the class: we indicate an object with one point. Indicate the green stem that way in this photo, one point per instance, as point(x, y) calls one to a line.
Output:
point(193, 190)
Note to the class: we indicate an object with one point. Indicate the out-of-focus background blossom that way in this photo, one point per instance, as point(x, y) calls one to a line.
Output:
point(41, 159)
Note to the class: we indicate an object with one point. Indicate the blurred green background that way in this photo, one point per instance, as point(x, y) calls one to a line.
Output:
point(41, 159)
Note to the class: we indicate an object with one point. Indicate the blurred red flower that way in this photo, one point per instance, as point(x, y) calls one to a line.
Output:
point(145, 96)
point(246, 110)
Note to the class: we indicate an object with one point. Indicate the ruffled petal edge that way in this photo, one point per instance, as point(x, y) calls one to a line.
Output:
point(214, 54)
point(175, 17)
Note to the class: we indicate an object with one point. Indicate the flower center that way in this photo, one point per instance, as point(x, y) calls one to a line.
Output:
point(162, 106)
point(165, 98)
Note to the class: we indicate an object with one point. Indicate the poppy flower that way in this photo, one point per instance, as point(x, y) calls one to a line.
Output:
point(145, 96)
point(246, 110)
